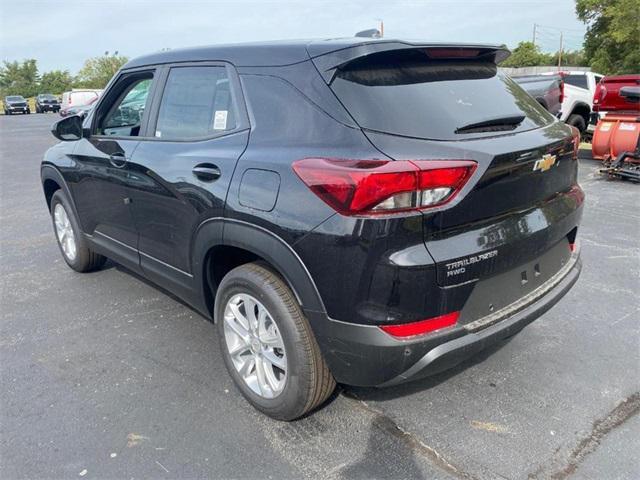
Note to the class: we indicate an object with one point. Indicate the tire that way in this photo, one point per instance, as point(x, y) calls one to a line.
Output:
point(577, 121)
point(307, 382)
point(84, 259)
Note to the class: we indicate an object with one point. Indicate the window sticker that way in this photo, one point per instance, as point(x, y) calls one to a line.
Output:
point(158, 133)
point(220, 120)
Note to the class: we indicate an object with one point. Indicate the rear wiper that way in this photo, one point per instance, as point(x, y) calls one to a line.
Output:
point(492, 124)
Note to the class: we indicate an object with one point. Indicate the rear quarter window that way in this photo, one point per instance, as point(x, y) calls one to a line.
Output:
point(406, 93)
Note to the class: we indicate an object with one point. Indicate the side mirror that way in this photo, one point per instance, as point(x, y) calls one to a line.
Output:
point(68, 129)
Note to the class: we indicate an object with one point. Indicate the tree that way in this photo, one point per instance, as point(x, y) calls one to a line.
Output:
point(526, 54)
point(97, 71)
point(55, 81)
point(573, 58)
point(19, 78)
point(612, 41)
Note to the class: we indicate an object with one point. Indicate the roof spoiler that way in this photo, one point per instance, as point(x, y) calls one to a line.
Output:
point(328, 62)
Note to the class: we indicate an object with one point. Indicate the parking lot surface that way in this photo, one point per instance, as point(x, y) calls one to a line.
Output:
point(105, 376)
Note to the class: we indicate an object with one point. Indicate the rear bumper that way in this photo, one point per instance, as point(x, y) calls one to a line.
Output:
point(364, 355)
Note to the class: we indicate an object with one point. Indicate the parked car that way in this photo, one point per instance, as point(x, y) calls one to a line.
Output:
point(15, 104)
point(80, 110)
point(45, 102)
point(78, 97)
point(358, 211)
point(577, 105)
point(548, 90)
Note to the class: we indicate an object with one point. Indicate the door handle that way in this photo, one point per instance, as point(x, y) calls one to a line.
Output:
point(118, 160)
point(206, 172)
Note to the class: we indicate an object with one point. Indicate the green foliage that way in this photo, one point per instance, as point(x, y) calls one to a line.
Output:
point(19, 78)
point(612, 41)
point(55, 81)
point(97, 71)
point(526, 54)
point(573, 58)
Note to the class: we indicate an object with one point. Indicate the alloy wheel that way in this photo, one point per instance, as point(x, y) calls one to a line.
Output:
point(64, 231)
point(255, 345)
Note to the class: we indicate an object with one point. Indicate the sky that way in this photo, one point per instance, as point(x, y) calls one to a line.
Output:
point(62, 34)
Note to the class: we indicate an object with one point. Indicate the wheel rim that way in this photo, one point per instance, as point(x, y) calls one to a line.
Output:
point(64, 232)
point(255, 345)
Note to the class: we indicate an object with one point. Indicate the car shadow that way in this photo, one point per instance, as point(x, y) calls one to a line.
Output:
point(110, 264)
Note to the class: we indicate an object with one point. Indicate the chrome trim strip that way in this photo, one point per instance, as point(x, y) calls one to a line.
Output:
point(142, 253)
point(114, 240)
point(165, 264)
point(525, 301)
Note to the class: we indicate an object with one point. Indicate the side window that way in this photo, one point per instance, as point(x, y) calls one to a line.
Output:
point(123, 117)
point(577, 81)
point(196, 103)
point(597, 78)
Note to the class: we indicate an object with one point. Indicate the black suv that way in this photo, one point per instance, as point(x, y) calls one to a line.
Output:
point(355, 211)
point(45, 102)
point(15, 104)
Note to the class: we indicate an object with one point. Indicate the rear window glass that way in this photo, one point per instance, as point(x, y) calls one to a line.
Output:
point(196, 102)
point(577, 81)
point(406, 93)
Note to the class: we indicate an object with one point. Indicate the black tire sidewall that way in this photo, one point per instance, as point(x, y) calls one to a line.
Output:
point(290, 403)
point(578, 122)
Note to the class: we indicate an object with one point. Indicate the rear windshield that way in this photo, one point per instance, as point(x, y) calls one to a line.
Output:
point(406, 93)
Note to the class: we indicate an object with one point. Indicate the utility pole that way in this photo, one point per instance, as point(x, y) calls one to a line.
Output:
point(534, 35)
point(381, 30)
point(560, 52)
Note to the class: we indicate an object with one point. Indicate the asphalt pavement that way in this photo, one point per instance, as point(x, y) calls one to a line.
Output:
point(102, 375)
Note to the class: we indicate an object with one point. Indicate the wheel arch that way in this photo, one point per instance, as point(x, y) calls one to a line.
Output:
point(52, 181)
point(222, 244)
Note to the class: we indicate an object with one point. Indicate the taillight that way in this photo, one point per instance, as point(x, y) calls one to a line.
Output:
point(407, 330)
point(561, 90)
point(363, 187)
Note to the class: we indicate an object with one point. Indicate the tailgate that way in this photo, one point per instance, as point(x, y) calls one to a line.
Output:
point(522, 201)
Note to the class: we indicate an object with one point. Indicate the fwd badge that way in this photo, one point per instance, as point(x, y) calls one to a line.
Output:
point(545, 163)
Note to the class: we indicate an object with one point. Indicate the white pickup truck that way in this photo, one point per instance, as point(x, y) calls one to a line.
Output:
point(577, 104)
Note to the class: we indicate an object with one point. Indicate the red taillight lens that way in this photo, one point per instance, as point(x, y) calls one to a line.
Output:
point(421, 327)
point(561, 90)
point(357, 187)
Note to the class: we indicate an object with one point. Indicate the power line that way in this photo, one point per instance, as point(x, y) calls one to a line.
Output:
point(562, 29)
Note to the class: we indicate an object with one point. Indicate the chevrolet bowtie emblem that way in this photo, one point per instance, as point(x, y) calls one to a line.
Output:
point(545, 163)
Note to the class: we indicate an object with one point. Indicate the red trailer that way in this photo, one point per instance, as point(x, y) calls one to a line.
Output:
point(616, 140)
point(619, 130)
